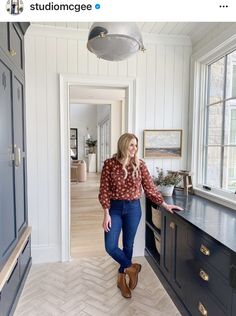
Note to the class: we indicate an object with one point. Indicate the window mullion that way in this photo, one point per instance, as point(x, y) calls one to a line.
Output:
point(223, 127)
point(206, 124)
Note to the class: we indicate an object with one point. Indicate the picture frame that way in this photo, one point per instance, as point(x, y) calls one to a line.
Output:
point(162, 143)
point(74, 150)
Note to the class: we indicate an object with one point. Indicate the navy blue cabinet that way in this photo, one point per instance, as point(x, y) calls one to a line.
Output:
point(197, 270)
point(4, 36)
point(234, 303)
point(8, 232)
point(173, 251)
point(13, 211)
point(13, 206)
point(19, 151)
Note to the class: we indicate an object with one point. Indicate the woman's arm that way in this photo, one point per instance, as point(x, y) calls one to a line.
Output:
point(105, 190)
point(104, 195)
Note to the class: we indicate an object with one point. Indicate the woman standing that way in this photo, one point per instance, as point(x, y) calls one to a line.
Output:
point(122, 179)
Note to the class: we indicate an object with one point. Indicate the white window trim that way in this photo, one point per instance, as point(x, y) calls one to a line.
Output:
point(196, 121)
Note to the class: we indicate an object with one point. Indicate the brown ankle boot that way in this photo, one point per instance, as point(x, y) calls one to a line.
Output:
point(133, 272)
point(122, 285)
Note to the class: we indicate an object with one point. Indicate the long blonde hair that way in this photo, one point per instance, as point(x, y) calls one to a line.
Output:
point(122, 154)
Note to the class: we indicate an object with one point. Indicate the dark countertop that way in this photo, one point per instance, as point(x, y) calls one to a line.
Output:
point(216, 220)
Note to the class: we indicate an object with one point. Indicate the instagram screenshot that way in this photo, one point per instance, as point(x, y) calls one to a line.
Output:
point(117, 158)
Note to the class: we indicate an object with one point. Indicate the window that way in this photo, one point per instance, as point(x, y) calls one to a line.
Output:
point(219, 144)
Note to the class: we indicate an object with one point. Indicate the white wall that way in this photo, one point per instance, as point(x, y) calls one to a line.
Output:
point(81, 117)
point(103, 111)
point(162, 89)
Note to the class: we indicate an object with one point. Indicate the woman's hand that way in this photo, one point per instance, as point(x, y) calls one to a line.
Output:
point(106, 221)
point(170, 207)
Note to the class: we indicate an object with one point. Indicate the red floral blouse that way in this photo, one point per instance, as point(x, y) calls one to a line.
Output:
point(113, 186)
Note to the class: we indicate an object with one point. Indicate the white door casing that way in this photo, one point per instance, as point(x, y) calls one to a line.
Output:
point(65, 81)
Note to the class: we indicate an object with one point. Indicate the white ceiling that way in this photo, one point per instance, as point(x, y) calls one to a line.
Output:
point(195, 30)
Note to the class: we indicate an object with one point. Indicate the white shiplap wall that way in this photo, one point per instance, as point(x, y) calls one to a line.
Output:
point(162, 75)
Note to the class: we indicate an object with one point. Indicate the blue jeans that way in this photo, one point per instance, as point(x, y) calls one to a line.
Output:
point(125, 216)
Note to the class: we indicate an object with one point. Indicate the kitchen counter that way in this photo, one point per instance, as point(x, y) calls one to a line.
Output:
point(215, 220)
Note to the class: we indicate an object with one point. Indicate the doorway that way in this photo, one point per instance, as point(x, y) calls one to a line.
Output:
point(128, 125)
point(104, 141)
point(96, 113)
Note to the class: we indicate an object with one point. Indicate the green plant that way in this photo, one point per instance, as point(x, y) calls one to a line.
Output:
point(91, 142)
point(165, 178)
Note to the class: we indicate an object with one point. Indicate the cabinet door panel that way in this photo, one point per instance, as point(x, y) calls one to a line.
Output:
point(18, 115)
point(16, 46)
point(173, 253)
point(166, 249)
point(4, 36)
point(7, 209)
point(179, 263)
point(234, 304)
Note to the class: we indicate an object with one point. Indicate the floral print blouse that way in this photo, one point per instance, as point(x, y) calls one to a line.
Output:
point(113, 186)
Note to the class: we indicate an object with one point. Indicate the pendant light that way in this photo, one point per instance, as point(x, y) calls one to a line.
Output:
point(114, 41)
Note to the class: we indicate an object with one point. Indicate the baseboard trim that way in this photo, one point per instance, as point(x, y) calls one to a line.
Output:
point(44, 254)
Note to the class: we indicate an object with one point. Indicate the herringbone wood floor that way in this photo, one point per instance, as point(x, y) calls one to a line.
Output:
point(86, 286)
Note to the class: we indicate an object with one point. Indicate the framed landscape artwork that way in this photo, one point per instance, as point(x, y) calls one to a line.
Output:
point(162, 143)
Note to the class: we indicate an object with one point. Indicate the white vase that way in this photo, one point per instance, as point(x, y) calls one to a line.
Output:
point(166, 190)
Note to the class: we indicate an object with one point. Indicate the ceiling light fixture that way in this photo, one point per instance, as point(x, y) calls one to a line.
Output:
point(114, 41)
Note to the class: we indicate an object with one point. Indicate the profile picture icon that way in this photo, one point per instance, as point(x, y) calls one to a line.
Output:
point(15, 6)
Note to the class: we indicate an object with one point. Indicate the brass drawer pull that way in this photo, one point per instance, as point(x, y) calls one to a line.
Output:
point(172, 225)
point(204, 275)
point(202, 309)
point(13, 52)
point(204, 250)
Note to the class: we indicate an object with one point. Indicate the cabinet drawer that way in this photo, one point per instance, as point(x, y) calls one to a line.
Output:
point(210, 282)
point(16, 46)
point(209, 251)
point(9, 290)
point(199, 302)
point(24, 258)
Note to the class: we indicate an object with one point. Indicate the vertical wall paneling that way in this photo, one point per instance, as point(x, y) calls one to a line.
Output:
point(169, 86)
point(62, 55)
point(72, 56)
point(161, 101)
point(150, 88)
point(82, 58)
point(92, 64)
point(53, 138)
point(32, 131)
point(132, 65)
point(113, 68)
point(160, 87)
point(122, 68)
point(102, 67)
point(42, 139)
point(141, 99)
point(150, 91)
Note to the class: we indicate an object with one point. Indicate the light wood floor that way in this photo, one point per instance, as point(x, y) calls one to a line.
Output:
point(86, 286)
point(86, 219)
